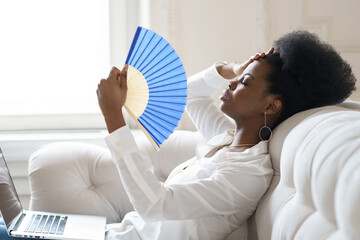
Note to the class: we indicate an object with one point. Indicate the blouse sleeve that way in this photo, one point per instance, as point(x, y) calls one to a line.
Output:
point(206, 116)
point(226, 191)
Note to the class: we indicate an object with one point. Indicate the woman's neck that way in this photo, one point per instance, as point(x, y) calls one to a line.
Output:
point(246, 135)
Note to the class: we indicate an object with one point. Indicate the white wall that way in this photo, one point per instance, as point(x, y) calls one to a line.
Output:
point(206, 31)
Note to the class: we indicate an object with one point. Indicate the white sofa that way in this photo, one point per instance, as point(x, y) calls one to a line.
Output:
point(314, 194)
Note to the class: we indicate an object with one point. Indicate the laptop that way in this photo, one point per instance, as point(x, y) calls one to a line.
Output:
point(37, 224)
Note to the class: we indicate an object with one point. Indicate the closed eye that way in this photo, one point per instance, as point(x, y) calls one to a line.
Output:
point(245, 81)
point(246, 78)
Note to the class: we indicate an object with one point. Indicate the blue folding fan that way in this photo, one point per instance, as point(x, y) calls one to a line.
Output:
point(157, 86)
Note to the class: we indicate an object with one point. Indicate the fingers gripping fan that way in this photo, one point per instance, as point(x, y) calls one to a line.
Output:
point(157, 86)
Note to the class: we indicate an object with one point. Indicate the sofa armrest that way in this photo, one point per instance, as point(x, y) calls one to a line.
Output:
point(74, 177)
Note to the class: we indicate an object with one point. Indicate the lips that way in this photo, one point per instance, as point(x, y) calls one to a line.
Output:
point(224, 95)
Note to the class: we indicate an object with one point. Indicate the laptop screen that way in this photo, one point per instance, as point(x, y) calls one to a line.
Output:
point(10, 205)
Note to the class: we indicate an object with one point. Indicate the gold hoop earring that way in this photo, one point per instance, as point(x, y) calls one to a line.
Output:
point(265, 132)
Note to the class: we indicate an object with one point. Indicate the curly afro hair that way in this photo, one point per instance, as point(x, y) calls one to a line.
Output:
point(307, 73)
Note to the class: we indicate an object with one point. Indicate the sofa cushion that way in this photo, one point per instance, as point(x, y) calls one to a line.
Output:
point(317, 194)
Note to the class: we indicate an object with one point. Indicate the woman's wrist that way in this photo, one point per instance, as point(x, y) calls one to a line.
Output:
point(114, 121)
point(225, 70)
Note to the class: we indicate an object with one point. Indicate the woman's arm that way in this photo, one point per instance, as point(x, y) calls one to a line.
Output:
point(226, 191)
point(206, 116)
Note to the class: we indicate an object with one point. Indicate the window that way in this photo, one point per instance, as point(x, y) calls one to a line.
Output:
point(53, 54)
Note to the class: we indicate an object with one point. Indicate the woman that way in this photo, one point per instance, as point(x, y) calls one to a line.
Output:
point(208, 196)
point(214, 193)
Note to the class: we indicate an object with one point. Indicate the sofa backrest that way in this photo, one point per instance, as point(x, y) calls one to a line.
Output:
point(315, 191)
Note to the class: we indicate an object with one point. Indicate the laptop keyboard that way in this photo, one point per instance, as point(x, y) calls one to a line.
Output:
point(47, 224)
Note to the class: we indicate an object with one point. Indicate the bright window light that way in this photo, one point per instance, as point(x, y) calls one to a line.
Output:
point(52, 55)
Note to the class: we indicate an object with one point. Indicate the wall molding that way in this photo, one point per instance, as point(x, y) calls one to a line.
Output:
point(323, 26)
point(262, 33)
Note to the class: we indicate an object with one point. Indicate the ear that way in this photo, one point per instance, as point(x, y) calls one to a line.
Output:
point(274, 105)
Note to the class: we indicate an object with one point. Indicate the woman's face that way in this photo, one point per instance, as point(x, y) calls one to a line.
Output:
point(247, 96)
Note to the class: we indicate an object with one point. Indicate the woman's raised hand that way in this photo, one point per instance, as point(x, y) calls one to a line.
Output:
point(231, 70)
point(111, 95)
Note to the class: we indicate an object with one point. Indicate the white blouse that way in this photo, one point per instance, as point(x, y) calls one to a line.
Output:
point(203, 198)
